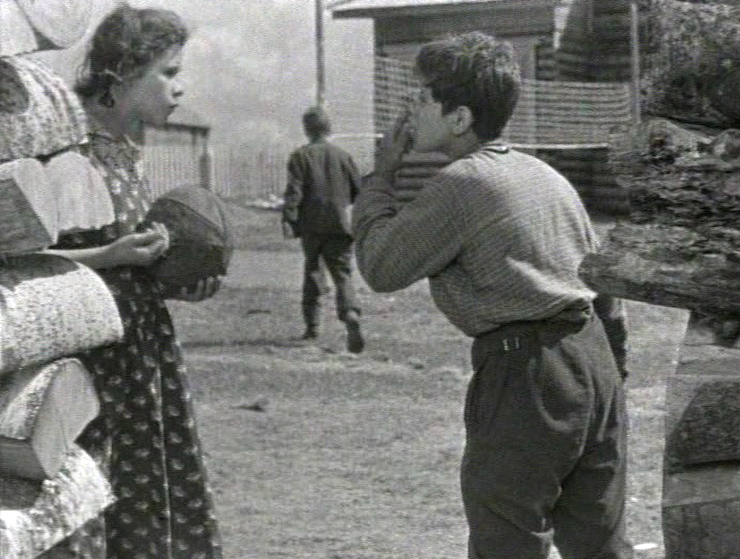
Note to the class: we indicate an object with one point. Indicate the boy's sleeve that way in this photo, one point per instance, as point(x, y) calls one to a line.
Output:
point(293, 190)
point(354, 179)
point(612, 313)
point(399, 244)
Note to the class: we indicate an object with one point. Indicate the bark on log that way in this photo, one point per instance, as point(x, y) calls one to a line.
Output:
point(36, 516)
point(676, 175)
point(39, 113)
point(51, 307)
point(668, 265)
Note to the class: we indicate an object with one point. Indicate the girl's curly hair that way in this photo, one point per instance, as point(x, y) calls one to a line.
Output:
point(473, 70)
point(125, 43)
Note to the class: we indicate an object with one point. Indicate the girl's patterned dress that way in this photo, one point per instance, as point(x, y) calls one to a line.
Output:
point(145, 432)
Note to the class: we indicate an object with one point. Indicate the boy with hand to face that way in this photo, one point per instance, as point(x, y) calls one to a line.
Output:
point(501, 235)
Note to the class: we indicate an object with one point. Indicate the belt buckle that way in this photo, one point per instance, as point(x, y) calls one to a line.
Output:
point(511, 344)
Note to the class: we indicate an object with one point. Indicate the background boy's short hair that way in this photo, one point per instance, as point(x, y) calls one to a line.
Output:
point(316, 121)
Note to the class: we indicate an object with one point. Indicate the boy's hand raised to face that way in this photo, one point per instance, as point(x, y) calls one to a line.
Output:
point(396, 142)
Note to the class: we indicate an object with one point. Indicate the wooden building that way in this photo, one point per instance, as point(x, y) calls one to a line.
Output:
point(555, 40)
point(402, 25)
point(184, 128)
point(178, 153)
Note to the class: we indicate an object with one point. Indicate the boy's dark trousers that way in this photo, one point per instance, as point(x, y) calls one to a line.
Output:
point(545, 452)
point(336, 253)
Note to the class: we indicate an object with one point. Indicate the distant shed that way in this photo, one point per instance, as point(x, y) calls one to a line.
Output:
point(401, 26)
point(178, 153)
point(185, 127)
point(563, 40)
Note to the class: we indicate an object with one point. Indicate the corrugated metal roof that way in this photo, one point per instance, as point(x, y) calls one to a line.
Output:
point(353, 5)
point(391, 8)
point(380, 4)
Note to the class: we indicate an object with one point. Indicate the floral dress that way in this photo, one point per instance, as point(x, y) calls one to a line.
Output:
point(145, 432)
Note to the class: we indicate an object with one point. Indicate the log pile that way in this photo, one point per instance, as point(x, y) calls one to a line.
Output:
point(680, 247)
point(49, 487)
point(681, 244)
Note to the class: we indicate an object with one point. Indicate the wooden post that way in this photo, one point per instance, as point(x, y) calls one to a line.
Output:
point(206, 169)
point(320, 71)
point(635, 60)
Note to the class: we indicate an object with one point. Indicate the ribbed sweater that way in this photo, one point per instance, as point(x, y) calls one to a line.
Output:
point(500, 235)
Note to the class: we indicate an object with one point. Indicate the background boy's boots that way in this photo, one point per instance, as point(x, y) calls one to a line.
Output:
point(311, 320)
point(311, 333)
point(355, 342)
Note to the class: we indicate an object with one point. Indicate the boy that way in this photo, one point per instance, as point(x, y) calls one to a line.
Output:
point(500, 235)
point(322, 183)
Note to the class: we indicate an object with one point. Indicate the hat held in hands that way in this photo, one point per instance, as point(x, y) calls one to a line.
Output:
point(201, 236)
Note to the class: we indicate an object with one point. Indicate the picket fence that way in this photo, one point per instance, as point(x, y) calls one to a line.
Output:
point(237, 173)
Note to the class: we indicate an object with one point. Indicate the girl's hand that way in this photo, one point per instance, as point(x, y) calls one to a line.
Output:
point(201, 290)
point(163, 231)
point(138, 249)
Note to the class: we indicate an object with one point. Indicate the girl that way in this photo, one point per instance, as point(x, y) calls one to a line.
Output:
point(145, 432)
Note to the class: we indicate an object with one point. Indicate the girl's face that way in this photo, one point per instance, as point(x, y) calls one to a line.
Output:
point(152, 97)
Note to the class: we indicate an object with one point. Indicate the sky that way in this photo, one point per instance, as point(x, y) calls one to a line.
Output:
point(250, 65)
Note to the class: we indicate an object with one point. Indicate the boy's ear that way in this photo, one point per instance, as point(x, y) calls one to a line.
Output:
point(462, 120)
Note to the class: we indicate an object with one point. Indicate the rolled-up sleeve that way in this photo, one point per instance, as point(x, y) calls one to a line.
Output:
point(399, 244)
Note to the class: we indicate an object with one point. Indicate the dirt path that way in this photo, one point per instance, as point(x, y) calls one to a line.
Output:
point(319, 454)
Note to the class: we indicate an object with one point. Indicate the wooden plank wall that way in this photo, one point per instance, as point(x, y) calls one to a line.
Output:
point(594, 47)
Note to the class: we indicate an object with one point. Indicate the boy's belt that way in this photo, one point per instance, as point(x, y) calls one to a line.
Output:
point(514, 336)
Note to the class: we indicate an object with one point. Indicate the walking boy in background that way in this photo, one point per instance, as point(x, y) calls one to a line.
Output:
point(322, 184)
point(501, 235)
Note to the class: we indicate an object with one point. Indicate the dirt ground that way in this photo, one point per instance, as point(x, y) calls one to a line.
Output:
point(316, 453)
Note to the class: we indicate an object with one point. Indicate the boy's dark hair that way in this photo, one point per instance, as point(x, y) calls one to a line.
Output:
point(473, 70)
point(123, 46)
point(316, 122)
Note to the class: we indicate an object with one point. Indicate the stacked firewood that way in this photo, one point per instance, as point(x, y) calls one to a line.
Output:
point(681, 243)
point(680, 247)
point(51, 308)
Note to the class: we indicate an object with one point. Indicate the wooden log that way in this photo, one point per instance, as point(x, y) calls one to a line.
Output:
point(39, 113)
point(51, 307)
point(79, 191)
point(668, 265)
point(653, 142)
point(28, 207)
point(34, 516)
point(43, 410)
point(701, 513)
point(612, 207)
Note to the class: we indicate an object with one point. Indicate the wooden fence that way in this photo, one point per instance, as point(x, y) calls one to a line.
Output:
point(244, 174)
point(239, 173)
